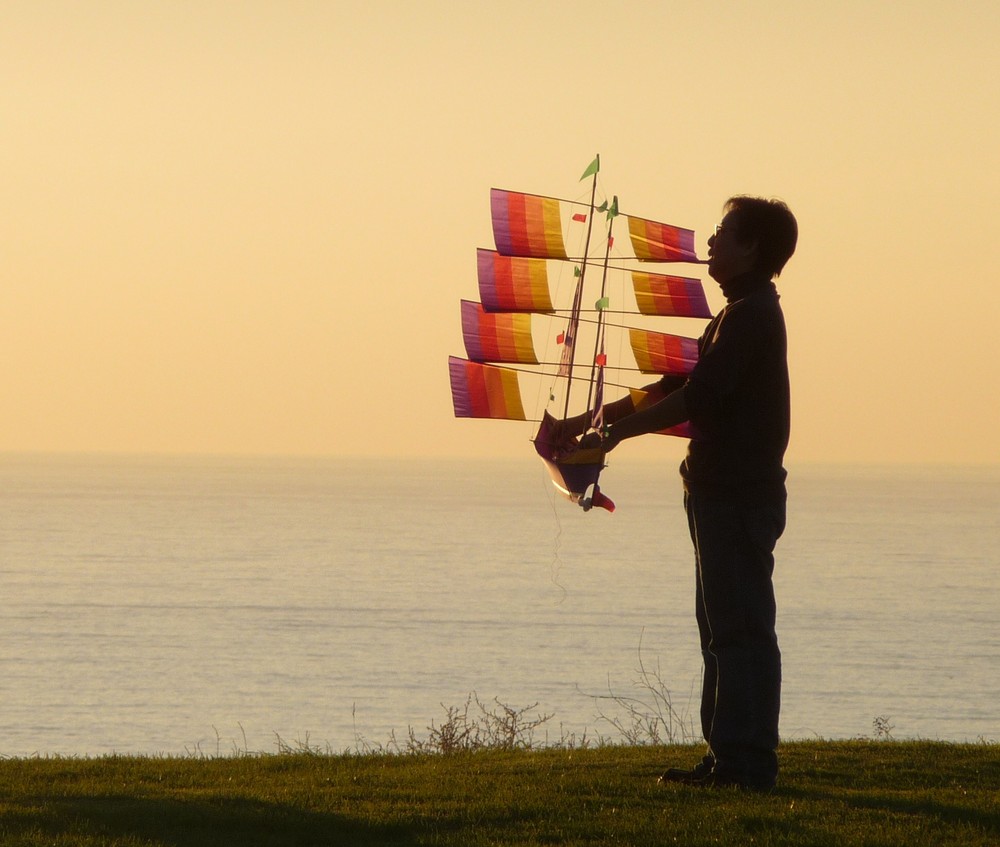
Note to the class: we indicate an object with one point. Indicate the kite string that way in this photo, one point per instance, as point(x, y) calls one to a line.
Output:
point(556, 565)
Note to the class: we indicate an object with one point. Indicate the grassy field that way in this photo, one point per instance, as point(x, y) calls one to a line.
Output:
point(830, 793)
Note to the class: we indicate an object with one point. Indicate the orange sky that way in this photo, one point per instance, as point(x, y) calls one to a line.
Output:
point(245, 227)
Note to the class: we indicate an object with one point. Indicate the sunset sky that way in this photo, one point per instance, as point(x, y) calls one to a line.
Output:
point(245, 227)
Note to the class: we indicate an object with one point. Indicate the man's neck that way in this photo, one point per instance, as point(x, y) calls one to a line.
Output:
point(743, 284)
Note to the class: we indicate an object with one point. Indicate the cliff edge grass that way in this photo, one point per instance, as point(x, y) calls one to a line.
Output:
point(879, 792)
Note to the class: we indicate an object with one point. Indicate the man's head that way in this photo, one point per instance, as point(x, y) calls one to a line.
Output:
point(756, 234)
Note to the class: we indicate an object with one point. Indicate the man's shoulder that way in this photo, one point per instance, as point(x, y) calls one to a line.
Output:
point(764, 297)
point(759, 305)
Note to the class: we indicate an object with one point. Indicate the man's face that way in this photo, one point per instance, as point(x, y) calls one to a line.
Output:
point(728, 255)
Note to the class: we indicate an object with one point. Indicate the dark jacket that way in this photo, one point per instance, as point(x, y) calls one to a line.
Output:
point(738, 396)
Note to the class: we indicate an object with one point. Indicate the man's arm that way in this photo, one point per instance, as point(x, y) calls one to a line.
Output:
point(579, 424)
point(624, 407)
point(669, 411)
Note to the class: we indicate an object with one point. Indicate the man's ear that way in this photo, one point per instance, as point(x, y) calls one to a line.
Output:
point(748, 251)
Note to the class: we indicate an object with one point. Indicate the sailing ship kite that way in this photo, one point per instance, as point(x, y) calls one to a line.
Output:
point(517, 290)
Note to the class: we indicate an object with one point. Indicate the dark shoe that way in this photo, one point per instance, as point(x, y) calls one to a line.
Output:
point(711, 774)
point(721, 778)
point(694, 776)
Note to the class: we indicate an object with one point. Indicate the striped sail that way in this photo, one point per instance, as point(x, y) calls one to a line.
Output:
point(484, 391)
point(656, 242)
point(670, 296)
point(512, 283)
point(526, 225)
point(662, 353)
point(497, 336)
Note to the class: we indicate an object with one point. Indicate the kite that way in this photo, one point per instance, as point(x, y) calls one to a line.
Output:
point(516, 291)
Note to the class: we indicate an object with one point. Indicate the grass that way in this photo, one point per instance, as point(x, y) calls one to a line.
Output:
point(830, 793)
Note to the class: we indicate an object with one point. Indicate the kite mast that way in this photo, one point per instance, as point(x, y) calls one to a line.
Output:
point(595, 397)
point(569, 350)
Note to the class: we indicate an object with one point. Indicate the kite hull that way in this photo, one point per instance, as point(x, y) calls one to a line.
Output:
point(574, 472)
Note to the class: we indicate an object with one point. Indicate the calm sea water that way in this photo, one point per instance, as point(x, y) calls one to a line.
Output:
point(169, 605)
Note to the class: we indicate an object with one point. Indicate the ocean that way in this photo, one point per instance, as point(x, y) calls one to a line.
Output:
point(194, 605)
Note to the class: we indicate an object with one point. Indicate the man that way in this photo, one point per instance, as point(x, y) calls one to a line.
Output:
point(737, 401)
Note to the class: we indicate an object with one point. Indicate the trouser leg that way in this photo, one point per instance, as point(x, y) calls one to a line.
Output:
point(735, 609)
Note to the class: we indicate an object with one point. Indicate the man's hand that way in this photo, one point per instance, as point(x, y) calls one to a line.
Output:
point(606, 442)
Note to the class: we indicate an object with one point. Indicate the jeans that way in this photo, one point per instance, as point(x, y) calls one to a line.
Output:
point(741, 690)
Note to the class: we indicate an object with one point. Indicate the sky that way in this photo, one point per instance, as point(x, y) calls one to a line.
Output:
point(245, 227)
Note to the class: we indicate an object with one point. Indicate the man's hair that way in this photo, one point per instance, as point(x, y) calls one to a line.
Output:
point(768, 222)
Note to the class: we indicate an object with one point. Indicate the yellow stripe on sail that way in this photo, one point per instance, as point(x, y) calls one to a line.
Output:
point(640, 241)
point(539, 284)
point(642, 284)
point(523, 344)
point(552, 227)
point(512, 397)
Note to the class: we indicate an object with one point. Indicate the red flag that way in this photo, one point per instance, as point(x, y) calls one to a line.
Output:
point(561, 338)
point(601, 360)
point(601, 501)
point(580, 218)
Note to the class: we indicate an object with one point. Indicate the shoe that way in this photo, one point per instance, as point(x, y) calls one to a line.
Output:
point(706, 774)
point(694, 776)
point(722, 778)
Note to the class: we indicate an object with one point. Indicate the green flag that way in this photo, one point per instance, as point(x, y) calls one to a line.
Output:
point(602, 304)
point(593, 167)
point(611, 209)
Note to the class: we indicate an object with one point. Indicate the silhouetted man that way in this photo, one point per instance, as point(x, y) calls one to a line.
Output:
point(737, 401)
